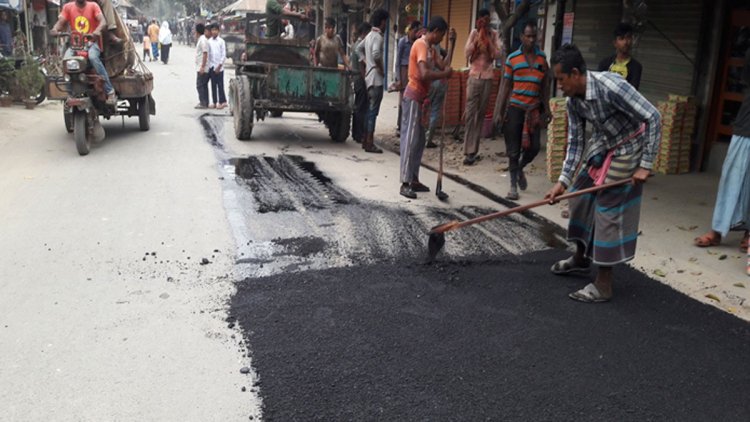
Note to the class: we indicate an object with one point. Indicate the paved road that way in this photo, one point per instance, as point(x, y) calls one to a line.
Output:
point(316, 285)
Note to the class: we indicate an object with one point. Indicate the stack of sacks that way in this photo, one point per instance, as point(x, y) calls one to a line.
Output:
point(678, 123)
point(557, 137)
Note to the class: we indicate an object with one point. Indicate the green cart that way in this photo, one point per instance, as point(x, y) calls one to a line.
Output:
point(276, 75)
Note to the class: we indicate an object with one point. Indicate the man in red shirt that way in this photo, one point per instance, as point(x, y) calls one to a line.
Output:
point(81, 16)
point(421, 73)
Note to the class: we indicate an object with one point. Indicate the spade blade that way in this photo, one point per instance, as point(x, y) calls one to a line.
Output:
point(435, 244)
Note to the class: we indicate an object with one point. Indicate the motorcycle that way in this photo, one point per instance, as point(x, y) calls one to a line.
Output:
point(8, 66)
point(87, 100)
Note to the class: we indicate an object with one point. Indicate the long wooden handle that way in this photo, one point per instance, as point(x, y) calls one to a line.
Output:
point(459, 224)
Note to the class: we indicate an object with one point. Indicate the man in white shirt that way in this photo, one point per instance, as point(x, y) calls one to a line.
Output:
point(201, 66)
point(217, 55)
point(288, 33)
point(374, 74)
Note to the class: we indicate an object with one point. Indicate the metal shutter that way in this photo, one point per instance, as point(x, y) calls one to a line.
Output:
point(593, 24)
point(458, 14)
point(665, 70)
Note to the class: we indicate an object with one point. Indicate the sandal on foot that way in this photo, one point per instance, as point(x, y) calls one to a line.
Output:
point(589, 294)
point(744, 242)
point(708, 239)
point(569, 266)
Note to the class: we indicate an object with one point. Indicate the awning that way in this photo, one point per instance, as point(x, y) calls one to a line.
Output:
point(245, 6)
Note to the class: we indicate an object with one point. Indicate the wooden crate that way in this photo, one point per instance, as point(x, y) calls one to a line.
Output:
point(133, 86)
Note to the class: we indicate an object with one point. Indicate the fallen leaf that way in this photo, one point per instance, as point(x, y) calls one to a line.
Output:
point(723, 257)
point(739, 285)
point(713, 297)
point(660, 273)
point(680, 271)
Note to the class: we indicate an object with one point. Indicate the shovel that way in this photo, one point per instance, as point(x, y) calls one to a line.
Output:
point(437, 233)
point(439, 188)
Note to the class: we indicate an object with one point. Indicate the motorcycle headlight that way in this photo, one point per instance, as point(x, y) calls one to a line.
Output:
point(82, 77)
point(66, 77)
point(72, 65)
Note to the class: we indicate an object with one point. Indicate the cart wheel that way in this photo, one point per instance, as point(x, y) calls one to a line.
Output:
point(276, 113)
point(243, 108)
point(144, 114)
point(68, 118)
point(339, 126)
point(80, 132)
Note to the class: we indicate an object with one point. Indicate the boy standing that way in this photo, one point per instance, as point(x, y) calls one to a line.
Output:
point(201, 66)
point(622, 63)
point(217, 55)
point(329, 47)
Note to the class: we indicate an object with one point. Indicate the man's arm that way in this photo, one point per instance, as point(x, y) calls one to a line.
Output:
point(625, 98)
point(377, 54)
point(575, 146)
point(61, 21)
point(316, 52)
point(102, 24)
point(429, 75)
point(545, 94)
point(503, 94)
point(497, 45)
point(222, 55)
point(300, 16)
point(448, 59)
point(342, 52)
point(471, 44)
point(399, 46)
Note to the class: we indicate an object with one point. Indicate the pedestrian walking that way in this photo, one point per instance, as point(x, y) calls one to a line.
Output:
point(165, 39)
point(201, 66)
point(421, 74)
point(482, 47)
point(153, 35)
point(329, 47)
point(732, 207)
point(357, 63)
point(622, 62)
point(524, 110)
point(374, 76)
point(438, 87)
point(624, 144)
point(402, 63)
point(146, 48)
point(217, 55)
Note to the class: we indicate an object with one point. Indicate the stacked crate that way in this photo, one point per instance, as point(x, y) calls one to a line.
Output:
point(557, 137)
point(678, 124)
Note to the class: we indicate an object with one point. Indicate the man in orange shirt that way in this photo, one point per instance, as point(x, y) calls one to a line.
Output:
point(153, 35)
point(81, 16)
point(421, 74)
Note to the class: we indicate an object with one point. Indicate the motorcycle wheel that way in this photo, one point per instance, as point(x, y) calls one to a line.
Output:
point(80, 132)
point(42, 93)
point(144, 114)
point(68, 117)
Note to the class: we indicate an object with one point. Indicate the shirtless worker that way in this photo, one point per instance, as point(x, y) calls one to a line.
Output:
point(624, 143)
point(329, 47)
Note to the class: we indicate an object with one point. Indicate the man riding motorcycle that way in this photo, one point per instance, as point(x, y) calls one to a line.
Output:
point(80, 16)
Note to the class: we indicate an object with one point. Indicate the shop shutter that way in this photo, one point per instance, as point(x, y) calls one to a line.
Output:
point(459, 14)
point(593, 25)
point(665, 70)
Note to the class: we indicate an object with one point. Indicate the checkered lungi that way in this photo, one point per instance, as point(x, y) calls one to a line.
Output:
point(606, 222)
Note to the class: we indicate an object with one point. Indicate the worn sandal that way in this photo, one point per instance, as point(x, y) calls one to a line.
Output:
point(708, 239)
point(589, 294)
point(568, 266)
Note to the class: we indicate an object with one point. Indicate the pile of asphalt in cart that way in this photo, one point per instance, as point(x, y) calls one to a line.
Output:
point(344, 320)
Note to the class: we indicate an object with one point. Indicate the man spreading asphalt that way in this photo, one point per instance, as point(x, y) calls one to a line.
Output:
point(624, 144)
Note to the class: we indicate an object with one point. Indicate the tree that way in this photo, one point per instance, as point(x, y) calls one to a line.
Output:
point(509, 19)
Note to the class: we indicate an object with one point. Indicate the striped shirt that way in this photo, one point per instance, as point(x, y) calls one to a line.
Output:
point(615, 110)
point(526, 79)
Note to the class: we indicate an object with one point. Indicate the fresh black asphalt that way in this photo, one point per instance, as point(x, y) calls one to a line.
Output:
point(488, 340)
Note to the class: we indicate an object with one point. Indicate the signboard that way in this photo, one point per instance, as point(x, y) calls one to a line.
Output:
point(567, 32)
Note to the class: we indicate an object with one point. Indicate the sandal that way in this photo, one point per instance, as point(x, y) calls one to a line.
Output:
point(568, 266)
point(744, 242)
point(589, 294)
point(709, 239)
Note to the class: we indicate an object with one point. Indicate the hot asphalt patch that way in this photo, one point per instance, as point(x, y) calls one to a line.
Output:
point(493, 340)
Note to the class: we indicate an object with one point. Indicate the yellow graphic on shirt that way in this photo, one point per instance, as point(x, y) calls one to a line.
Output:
point(82, 24)
point(620, 67)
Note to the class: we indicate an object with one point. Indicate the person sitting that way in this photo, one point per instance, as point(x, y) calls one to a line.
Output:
point(80, 16)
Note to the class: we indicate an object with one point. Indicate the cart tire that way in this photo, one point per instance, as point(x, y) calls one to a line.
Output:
point(276, 113)
point(340, 126)
point(80, 132)
point(68, 118)
point(42, 95)
point(243, 108)
point(144, 114)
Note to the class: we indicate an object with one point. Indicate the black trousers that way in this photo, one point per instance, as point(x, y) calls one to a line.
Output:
point(513, 130)
point(201, 84)
point(165, 52)
point(217, 86)
point(360, 109)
